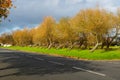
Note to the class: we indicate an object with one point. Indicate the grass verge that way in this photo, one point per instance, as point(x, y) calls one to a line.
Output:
point(113, 54)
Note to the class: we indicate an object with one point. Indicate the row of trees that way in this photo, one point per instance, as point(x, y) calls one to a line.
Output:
point(90, 28)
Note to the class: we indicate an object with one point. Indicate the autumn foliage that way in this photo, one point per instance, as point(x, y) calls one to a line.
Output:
point(5, 5)
point(88, 29)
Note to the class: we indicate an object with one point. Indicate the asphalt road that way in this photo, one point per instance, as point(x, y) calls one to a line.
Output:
point(16, 65)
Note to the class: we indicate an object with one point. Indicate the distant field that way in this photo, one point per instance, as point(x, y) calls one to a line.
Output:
point(113, 54)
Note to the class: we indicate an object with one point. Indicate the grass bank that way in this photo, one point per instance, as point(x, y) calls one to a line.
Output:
point(113, 54)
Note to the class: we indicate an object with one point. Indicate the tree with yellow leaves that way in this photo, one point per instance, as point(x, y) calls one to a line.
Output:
point(22, 37)
point(44, 33)
point(94, 23)
point(65, 33)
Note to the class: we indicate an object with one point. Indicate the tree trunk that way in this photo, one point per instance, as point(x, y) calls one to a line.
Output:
point(96, 46)
point(49, 43)
point(109, 42)
point(50, 46)
point(59, 46)
point(108, 45)
point(71, 45)
point(86, 45)
point(102, 46)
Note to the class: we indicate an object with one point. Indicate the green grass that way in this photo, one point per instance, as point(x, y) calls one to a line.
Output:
point(113, 54)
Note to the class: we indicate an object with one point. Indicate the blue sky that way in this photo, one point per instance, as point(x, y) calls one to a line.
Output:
point(30, 13)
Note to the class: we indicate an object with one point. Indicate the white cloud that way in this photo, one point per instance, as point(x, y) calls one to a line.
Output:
point(72, 1)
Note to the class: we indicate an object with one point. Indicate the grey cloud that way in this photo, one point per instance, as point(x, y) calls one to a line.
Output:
point(31, 12)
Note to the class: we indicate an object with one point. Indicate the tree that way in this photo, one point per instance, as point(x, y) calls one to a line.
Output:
point(100, 23)
point(94, 25)
point(65, 33)
point(6, 38)
point(81, 26)
point(38, 36)
point(115, 30)
point(5, 5)
point(44, 33)
point(22, 37)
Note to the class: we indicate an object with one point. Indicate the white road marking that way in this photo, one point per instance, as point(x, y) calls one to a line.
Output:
point(43, 60)
point(6, 51)
point(55, 63)
point(114, 62)
point(39, 59)
point(32, 57)
point(93, 72)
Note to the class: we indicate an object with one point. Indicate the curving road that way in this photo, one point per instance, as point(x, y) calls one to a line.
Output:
point(16, 65)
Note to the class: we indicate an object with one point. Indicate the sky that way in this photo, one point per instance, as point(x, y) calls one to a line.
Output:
point(30, 13)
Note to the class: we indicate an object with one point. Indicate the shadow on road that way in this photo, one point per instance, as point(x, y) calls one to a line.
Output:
point(29, 66)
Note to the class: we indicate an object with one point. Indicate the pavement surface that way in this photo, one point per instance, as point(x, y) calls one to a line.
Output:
point(16, 65)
